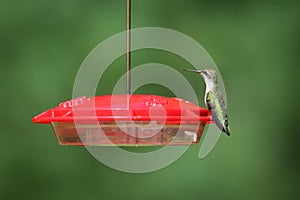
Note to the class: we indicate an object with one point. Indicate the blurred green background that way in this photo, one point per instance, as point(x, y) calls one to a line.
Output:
point(255, 45)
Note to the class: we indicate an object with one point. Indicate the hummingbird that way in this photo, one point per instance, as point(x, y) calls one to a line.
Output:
point(214, 99)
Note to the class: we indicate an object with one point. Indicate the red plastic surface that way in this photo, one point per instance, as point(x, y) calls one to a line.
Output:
point(115, 108)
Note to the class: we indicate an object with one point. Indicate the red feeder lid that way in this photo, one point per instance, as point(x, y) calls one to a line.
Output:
point(115, 108)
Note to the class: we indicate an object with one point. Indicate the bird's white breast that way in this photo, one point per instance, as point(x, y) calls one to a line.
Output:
point(209, 86)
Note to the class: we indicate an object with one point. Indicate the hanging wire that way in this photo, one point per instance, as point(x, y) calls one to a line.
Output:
point(128, 47)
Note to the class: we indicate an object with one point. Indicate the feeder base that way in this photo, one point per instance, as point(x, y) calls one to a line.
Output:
point(127, 133)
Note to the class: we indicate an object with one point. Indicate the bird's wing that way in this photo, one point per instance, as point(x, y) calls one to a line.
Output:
point(211, 105)
point(222, 102)
point(223, 114)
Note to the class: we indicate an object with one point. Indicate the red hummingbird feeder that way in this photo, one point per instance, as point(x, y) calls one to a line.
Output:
point(108, 120)
point(126, 120)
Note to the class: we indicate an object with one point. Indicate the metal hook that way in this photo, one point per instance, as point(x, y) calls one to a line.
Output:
point(128, 46)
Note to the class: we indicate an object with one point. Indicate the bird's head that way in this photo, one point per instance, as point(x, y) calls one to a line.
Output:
point(207, 74)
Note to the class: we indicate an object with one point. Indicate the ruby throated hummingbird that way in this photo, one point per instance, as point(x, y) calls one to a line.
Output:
point(214, 99)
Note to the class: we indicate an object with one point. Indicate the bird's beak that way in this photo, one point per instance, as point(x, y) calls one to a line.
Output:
point(194, 70)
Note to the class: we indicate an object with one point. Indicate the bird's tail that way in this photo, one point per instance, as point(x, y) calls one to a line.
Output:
point(226, 130)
